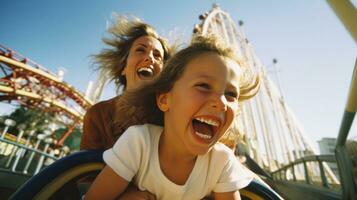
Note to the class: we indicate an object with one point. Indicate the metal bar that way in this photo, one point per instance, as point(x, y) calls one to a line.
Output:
point(4, 132)
point(347, 13)
point(279, 121)
point(48, 75)
point(28, 148)
point(268, 130)
point(13, 153)
point(349, 189)
point(323, 176)
point(343, 159)
point(224, 30)
point(345, 128)
point(17, 159)
point(42, 158)
point(28, 140)
point(19, 151)
point(67, 134)
point(279, 127)
point(306, 173)
point(28, 163)
point(344, 166)
point(72, 112)
point(264, 133)
point(250, 129)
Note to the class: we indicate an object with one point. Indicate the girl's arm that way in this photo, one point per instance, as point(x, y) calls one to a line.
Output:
point(107, 185)
point(133, 193)
point(227, 195)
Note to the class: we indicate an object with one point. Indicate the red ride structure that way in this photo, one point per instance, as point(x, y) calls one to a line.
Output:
point(25, 82)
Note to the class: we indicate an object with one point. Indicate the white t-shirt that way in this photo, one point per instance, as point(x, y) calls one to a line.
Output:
point(134, 157)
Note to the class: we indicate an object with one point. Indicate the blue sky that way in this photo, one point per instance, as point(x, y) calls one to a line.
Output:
point(316, 54)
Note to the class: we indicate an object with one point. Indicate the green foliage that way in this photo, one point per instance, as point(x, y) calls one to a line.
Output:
point(29, 119)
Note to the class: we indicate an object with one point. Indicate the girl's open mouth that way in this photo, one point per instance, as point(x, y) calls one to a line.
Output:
point(205, 128)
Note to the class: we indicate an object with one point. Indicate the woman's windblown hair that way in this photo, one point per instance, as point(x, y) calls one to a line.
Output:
point(123, 33)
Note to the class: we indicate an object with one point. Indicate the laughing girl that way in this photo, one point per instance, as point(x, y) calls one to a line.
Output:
point(174, 154)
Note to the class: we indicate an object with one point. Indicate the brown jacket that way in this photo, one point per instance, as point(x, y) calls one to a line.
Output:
point(98, 128)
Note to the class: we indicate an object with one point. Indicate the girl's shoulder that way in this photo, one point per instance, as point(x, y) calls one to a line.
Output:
point(144, 132)
point(137, 138)
point(149, 128)
point(223, 149)
point(221, 152)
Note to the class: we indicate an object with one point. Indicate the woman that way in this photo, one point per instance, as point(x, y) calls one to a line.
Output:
point(136, 54)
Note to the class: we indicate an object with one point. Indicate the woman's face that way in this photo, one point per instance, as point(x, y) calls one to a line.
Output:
point(144, 62)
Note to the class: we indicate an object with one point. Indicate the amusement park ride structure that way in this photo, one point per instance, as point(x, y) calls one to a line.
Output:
point(272, 133)
point(25, 82)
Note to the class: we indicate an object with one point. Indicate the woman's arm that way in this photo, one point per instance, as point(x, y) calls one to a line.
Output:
point(93, 130)
point(107, 185)
point(227, 195)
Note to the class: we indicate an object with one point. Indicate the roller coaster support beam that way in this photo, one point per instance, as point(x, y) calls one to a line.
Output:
point(67, 134)
point(349, 189)
point(347, 13)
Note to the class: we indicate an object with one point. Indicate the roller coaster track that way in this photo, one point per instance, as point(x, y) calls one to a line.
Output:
point(28, 83)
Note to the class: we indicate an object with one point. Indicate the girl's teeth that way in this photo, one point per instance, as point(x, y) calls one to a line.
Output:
point(208, 121)
point(203, 135)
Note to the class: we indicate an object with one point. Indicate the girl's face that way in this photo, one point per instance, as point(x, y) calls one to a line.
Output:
point(202, 103)
point(144, 61)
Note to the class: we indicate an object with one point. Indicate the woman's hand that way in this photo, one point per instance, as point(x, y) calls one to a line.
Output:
point(133, 193)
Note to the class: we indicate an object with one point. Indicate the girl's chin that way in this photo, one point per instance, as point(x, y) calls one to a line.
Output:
point(203, 151)
point(200, 149)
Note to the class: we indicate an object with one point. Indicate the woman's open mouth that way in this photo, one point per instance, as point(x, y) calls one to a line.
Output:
point(145, 72)
point(205, 128)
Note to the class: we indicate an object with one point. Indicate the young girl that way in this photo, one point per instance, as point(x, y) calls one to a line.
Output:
point(187, 109)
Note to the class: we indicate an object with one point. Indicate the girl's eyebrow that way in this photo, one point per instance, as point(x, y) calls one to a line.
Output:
point(142, 44)
point(206, 76)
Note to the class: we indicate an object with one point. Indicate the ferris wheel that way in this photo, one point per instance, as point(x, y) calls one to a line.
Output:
point(219, 23)
point(273, 134)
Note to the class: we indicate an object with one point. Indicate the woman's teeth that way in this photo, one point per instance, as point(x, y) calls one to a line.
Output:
point(145, 72)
